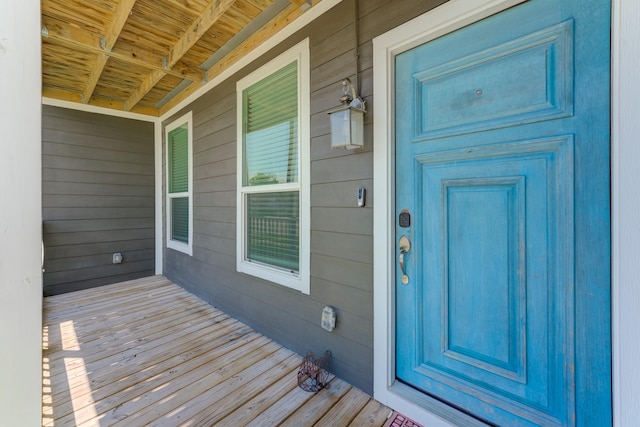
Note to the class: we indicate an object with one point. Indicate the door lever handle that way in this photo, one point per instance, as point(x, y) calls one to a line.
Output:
point(405, 246)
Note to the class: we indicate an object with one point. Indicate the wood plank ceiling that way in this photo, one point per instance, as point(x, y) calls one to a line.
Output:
point(145, 56)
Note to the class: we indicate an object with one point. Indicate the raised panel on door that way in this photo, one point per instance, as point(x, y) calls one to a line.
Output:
point(492, 314)
point(502, 166)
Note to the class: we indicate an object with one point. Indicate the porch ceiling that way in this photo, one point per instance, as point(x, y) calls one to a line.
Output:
point(145, 56)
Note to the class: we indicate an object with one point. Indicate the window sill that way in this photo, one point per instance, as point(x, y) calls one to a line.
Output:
point(180, 247)
point(281, 277)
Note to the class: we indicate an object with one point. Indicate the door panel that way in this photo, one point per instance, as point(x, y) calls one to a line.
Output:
point(491, 313)
point(502, 163)
point(522, 80)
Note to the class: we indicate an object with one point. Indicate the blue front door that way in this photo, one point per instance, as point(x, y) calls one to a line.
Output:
point(502, 196)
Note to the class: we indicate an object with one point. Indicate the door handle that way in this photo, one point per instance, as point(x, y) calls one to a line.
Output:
point(405, 246)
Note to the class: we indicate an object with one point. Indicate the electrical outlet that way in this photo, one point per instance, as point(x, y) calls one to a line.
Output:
point(328, 318)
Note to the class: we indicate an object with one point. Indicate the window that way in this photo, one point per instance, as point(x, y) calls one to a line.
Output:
point(179, 139)
point(273, 170)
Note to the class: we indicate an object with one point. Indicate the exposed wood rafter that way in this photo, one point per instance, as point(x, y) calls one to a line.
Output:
point(284, 18)
point(148, 56)
point(76, 97)
point(110, 38)
point(76, 38)
point(198, 28)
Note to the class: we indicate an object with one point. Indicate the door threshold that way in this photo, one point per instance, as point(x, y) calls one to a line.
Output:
point(434, 406)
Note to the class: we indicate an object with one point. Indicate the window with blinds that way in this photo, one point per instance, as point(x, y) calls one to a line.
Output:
point(270, 157)
point(179, 206)
point(271, 129)
point(273, 211)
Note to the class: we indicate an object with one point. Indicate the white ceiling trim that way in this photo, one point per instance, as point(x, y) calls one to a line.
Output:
point(99, 110)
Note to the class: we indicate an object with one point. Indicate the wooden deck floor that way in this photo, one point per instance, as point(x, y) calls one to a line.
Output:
point(146, 352)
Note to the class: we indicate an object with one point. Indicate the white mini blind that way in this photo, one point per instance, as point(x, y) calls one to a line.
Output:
point(273, 229)
point(178, 158)
point(180, 219)
point(270, 110)
point(270, 157)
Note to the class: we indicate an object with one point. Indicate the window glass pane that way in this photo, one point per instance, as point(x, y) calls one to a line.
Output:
point(178, 160)
point(271, 129)
point(180, 219)
point(273, 224)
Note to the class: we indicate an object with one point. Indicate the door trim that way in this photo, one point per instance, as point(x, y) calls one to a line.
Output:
point(442, 20)
point(625, 234)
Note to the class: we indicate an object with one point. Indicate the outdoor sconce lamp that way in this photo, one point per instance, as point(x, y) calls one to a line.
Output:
point(347, 121)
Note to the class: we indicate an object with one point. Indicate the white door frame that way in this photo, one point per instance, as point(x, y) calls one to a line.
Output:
point(625, 151)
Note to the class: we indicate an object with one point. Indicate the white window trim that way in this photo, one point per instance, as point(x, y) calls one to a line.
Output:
point(187, 248)
point(299, 281)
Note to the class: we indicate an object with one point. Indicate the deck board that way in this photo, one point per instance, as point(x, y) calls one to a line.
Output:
point(148, 353)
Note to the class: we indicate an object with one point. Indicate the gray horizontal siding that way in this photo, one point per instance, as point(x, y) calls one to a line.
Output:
point(97, 199)
point(341, 233)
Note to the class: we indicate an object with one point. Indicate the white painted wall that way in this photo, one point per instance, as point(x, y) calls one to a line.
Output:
point(20, 214)
point(626, 212)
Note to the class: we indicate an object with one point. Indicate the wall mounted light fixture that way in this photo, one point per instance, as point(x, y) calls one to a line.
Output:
point(347, 121)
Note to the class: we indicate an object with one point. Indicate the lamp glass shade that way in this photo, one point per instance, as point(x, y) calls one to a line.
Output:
point(347, 127)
